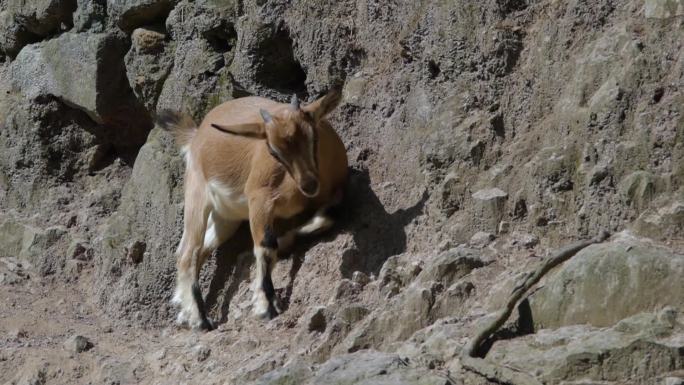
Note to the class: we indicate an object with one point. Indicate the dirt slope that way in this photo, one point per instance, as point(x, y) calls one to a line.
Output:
point(481, 136)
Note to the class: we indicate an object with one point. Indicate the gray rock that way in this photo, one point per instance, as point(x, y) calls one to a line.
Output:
point(24, 22)
point(73, 268)
point(490, 194)
point(450, 266)
point(360, 278)
point(663, 9)
point(490, 205)
point(408, 312)
point(131, 14)
point(148, 64)
point(673, 381)
point(17, 334)
point(151, 209)
point(638, 189)
point(524, 239)
point(581, 352)
point(33, 245)
point(662, 223)
point(90, 15)
point(77, 344)
point(293, 373)
point(353, 313)
point(605, 283)
point(200, 352)
point(371, 367)
point(452, 194)
point(205, 42)
point(315, 319)
point(33, 376)
point(85, 71)
point(451, 302)
point(135, 252)
point(481, 239)
point(345, 288)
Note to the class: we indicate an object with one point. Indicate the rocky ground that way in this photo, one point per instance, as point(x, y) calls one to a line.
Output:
point(481, 137)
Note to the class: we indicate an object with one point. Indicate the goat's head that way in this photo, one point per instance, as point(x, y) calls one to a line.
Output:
point(292, 137)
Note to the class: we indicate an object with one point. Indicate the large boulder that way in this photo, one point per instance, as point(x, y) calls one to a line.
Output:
point(662, 223)
point(85, 71)
point(149, 218)
point(90, 15)
point(148, 64)
point(607, 282)
point(23, 22)
point(642, 349)
point(204, 40)
point(361, 368)
point(131, 14)
point(44, 249)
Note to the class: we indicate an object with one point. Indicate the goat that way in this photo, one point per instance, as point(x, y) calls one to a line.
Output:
point(253, 159)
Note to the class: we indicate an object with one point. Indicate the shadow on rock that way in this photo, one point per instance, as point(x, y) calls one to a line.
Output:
point(233, 261)
point(378, 234)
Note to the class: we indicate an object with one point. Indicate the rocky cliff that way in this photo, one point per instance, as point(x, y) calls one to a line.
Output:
point(481, 136)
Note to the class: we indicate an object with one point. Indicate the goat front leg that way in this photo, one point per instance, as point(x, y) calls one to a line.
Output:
point(319, 223)
point(265, 252)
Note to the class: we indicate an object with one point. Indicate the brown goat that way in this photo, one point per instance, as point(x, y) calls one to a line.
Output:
point(253, 159)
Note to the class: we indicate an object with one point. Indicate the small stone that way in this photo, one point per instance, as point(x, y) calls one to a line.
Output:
point(77, 344)
point(77, 251)
point(315, 319)
point(445, 245)
point(504, 227)
point(481, 239)
point(136, 251)
point(353, 313)
point(146, 40)
point(201, 353)
point(668, 315)
point(490, 194)
point(452, 194)
point(73, 267)
point(360, 277)
point(598, 174)
point(524, 239)
point(345, 288)
point(17, 334)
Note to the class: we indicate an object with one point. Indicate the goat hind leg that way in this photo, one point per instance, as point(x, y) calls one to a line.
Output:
point(189, 258)
point(218, 231)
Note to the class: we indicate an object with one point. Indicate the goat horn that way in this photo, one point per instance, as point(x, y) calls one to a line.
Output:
point(294, 104)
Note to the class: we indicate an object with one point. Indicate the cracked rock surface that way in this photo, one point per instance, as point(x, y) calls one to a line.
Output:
point(481, 137)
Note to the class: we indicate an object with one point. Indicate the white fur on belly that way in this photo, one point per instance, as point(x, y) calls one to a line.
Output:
point(228, 203)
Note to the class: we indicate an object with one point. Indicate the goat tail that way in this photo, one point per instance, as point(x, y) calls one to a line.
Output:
point(179, 124)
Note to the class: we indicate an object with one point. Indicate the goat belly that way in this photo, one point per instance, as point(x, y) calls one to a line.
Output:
point(227, 202)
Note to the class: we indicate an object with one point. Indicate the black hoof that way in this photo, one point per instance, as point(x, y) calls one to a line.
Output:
point(206, 325)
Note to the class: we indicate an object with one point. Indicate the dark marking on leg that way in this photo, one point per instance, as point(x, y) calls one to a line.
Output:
point(270, 240)
point(269, 290)
point(199, 301)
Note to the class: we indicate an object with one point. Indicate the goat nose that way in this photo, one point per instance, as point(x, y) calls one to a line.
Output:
point(310, 187)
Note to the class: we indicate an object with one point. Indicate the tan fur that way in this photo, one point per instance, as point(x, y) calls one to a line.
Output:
point(231, 175)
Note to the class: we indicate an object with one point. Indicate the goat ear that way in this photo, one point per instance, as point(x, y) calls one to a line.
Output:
point(323, 106)
point(254, 130)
